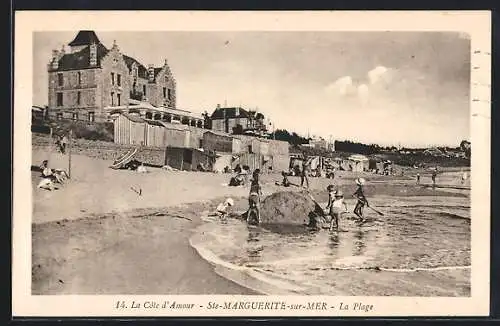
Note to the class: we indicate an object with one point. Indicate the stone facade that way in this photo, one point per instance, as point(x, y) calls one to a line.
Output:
point(113, 80)
point(91, 78)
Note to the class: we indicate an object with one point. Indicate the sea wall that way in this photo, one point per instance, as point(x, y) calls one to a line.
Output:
point(101, 149)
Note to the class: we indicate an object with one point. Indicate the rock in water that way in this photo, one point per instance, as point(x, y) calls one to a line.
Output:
point(289, 208)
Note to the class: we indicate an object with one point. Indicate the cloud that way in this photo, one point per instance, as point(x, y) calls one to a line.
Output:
point(341, 86)
point(377, 74)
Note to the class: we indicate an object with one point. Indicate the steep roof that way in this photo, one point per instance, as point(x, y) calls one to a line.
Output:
point(141, 70)
point(230, 113)
point(81, 59)
point(157, 71)
point(133, 117)
point(85, 38)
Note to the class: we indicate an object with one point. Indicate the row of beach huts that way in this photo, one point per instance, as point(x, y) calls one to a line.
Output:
point(192, 148)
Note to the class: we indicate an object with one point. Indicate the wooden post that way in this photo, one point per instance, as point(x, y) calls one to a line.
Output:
point(70, 140)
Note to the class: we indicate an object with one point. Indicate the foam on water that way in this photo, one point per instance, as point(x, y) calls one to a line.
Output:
point(417, 234)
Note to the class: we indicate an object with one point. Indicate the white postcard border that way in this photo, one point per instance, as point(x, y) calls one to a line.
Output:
point(476, 24)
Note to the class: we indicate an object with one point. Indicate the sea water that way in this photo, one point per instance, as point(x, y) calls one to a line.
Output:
point(427, 236)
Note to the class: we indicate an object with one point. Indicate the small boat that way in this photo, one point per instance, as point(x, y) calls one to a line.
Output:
point(124, 159)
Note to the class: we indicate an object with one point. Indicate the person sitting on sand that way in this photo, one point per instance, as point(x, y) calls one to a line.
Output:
point(46, 171)
point(59, 176)
point(254, 196)
point(47, 184)
point(141, 169)
point(336, 209)
point(222, 209)
point(360, 196)
point(284, 182)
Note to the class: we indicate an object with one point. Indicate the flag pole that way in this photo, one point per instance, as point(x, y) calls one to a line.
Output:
point(69, 152)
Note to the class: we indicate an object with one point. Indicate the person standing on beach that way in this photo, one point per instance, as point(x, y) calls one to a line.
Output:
point(63, 142)
point(464, 177)
point(433, 176)
point(418, 178)
point(336, 209)
point(362, 201)
point(303, 175)
point(254, 197)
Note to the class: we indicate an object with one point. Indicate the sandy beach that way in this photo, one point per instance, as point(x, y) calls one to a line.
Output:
point(95, 235)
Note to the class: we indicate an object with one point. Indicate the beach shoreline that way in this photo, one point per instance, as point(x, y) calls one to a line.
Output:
point(108, 239)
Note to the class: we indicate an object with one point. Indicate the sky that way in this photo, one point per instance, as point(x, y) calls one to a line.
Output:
point(387, 88)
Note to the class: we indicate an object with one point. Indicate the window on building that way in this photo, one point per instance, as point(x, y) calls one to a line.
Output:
point(60, 79)
point(112, 78)
point(118, 98)
point(169, 94)
point(119, 79)
point(250, 149)
point(91, 116)
point(79, 78)
point(75, 116)
point(112, 99)
point(144, 90)
point(78, 98)
point(201, 143)
point(59, 116)
point(164, 92)
point(59, 99)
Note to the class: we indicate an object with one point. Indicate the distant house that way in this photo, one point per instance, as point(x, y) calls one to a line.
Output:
point(319, 143)
point(236, 120)
point(225, 119)
point(359, 163)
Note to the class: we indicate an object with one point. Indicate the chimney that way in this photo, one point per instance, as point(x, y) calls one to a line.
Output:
point(218, 106)
point(62, 52)
point(115, 46)
point(93, 54)
point(151, 73)
point(54, 63)
point(237, 113)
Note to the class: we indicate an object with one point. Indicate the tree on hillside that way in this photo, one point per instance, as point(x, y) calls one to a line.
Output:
point(465, 146)
point(207, 122)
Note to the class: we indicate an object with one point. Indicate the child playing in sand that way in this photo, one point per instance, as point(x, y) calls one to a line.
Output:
point(222, 209)
point(362, 201)
point(336, 209)
point(284, 182)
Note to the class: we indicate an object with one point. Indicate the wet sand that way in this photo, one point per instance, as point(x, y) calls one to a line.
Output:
point(94, 235)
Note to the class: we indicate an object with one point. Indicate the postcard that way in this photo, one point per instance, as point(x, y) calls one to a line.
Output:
point(251, 163)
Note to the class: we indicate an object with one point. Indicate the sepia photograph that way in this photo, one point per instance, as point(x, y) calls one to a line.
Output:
point(254, 163)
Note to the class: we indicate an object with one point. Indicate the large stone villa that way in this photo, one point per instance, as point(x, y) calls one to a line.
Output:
point(92, 83)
